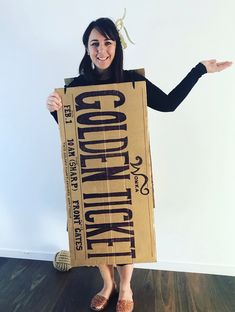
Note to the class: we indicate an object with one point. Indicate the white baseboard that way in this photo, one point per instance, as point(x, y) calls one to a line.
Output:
point(160, 265)
point(24, 254)
point(189, 267)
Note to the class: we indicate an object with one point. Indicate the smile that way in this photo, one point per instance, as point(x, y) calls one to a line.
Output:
point(102, 58)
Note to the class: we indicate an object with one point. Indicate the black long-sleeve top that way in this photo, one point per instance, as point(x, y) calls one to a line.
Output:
point(156, 98)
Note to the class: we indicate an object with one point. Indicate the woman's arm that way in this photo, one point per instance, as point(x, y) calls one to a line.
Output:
point(163, 102)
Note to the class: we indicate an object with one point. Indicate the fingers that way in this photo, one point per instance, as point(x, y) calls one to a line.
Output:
point(212, 61)
point(223, 65)
point(213, 66)
point(54, 102)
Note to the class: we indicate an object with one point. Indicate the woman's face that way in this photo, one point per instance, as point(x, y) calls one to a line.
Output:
point(101, 50)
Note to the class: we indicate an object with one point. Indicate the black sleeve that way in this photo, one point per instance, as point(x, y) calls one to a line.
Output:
point(163, 102)
point(54, 114)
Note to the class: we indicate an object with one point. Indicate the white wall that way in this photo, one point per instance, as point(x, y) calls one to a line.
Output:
point(192, 149)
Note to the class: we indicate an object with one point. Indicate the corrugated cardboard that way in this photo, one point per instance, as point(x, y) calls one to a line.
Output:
point(107, 170)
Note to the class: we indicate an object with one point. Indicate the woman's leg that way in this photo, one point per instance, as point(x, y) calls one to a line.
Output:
point(107, 273)
point(125, 273)
point(100, 300)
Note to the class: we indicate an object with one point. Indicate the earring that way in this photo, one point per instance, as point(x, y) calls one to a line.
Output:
point(92, 65)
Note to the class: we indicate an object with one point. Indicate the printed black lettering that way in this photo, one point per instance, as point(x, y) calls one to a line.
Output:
point(82, 131)
point(100, 174)
point(105, 227)
point(130, 253)
point(95, 118)
point(80, 104)
point(95, 149)
point(103, 157)
point(120, 211)
point(127, 194)
point(110, 241)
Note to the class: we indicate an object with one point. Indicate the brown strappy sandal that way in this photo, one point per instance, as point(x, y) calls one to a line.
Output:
point(99, 303)
point(125, 306)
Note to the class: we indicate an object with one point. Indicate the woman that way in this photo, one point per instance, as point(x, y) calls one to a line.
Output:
point(103, 63)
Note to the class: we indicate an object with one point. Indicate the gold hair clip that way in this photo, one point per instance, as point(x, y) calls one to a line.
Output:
point(120, 25)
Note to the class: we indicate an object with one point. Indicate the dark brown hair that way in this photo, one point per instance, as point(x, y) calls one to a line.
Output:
point(107, 28)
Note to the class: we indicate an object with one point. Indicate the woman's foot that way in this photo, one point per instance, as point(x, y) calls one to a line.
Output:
point(101, 299)
point(125, 294)
point(107, 290)
point(125, 300)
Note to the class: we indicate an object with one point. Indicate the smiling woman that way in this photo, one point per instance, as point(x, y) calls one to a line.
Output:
point(103, 63)
point(101, 50)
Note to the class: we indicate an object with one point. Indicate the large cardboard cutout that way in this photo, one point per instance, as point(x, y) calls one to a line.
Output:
point(107, 170)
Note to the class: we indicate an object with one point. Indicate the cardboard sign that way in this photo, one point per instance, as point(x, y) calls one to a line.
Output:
point(107, 171)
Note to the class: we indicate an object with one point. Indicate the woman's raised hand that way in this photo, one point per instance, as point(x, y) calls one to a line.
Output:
point(54, 102)
point(212, 66)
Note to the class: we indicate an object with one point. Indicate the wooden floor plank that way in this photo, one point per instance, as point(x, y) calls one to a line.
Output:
point(35, 286)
